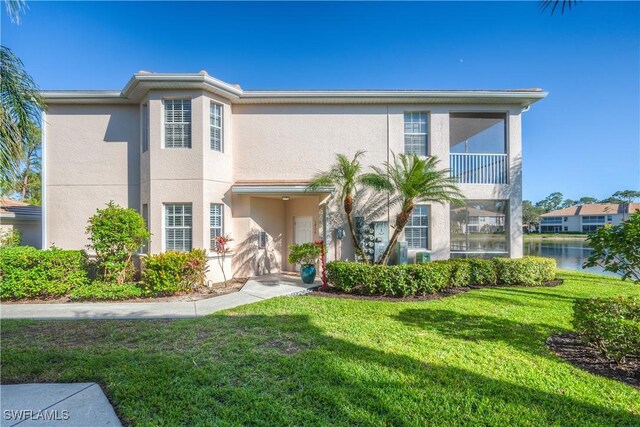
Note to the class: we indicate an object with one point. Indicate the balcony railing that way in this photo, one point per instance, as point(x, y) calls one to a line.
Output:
point(472, 168)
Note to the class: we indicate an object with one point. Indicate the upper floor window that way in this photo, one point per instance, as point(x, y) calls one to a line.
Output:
point(145, 128)
point(215, 222)
point(216, 126)
point(551, 220)
point(593, 219)
point(415, 133)
point(177, 226)
point(177, 123)
point(416, 232)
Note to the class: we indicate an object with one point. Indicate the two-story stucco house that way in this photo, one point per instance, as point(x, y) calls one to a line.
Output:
point(198, 157)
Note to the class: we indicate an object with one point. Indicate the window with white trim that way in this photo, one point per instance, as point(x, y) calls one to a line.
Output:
point(177, 227)
point(415, 133)
point(145, 128)
point(177, 123)
point(216, 214)
point(215, 116)
point(416, 232)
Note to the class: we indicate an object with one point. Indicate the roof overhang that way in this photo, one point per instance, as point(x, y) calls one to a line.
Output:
point(277, 189)
point(141, 83)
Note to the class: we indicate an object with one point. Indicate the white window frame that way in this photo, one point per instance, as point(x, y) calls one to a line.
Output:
point(425, 134)
point(187, 123)
point(216, 223)
point(213, 127)
point(145, 127)
point(418, 212)
point(166, 227)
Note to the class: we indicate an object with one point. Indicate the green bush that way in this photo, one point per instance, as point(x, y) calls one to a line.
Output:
point(26, 272)
point(483, 272)
point(612, 325)
point(432, 277)
point(172, 272)
point(527, 271)
point(105, 291)
point(10, 238)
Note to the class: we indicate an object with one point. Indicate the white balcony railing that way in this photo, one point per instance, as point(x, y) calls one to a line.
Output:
point(472, 168)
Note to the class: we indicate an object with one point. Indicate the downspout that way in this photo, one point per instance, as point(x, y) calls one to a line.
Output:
point(43, 208)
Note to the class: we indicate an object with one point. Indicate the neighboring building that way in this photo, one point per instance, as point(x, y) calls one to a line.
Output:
point(586, 218)
point(23, 217)
point(198, 157)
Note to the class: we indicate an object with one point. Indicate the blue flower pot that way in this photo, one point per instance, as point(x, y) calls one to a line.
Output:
point(308, 273)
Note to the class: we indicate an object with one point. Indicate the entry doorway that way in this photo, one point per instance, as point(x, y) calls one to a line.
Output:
point(302, 232)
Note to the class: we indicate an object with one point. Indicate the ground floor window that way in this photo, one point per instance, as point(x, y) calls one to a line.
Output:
point(215, 222)
point(551, 228)
point(177, 226)
point(479, 226)
point(416, 232)
point(592, 228)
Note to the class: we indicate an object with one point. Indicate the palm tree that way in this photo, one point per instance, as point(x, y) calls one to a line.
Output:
point(411, 180)
point(344, 176)
point(553, 5)
point(20, 101)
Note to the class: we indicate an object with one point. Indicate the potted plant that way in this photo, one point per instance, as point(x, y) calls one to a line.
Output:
point(305, 254)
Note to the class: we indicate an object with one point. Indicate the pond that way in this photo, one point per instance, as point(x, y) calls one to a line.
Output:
point(569, 253)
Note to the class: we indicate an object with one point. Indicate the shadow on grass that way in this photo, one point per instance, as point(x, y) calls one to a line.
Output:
point(283, 370)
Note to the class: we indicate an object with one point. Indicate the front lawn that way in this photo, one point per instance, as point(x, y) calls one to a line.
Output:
point(477, 358)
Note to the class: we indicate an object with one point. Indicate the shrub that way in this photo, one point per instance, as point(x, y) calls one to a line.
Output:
point(9, 238)
point(617, 249)
point(116, 233)
point(304, 254)
point(432, 277)
point(26, 272)
point(105, 291)
point(171, 272)
point(483, 272)
point(527, 271)
point(612, 325)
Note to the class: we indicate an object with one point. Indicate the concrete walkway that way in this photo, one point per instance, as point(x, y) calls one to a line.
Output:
point(69, 405)
point(256, 289)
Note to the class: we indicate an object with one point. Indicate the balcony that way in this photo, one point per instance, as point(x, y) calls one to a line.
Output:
point(478, 147)
point(478, 168)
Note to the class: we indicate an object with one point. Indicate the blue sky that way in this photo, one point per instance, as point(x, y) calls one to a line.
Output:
point(584, 139)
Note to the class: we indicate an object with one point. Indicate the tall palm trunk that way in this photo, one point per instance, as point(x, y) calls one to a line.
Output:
point(348, 209)
point(401, 220)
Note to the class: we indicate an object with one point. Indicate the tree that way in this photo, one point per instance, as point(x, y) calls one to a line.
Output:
point(587, 200)
point(617, 249)
point(20, 103)
point(410, 180)
point(551, 202)
point(25, 181)
point(344, 176)
point(530, 214)
point(116, 233)
point(553, 5)
point(567, 203)
point(222, 249)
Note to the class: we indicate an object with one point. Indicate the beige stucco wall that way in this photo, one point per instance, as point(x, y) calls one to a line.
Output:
point(93, 156)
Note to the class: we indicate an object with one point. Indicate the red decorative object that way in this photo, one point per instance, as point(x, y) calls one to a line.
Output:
point(323, 263)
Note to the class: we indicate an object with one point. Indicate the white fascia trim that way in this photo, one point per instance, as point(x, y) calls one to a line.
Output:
point(189, 78)
point(277, 189)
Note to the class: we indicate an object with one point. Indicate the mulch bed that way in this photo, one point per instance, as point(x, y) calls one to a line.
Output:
point(217, 289)
point(570, 348)
point(332, 292)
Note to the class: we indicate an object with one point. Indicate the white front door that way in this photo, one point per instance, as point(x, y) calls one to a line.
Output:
point(302, 229)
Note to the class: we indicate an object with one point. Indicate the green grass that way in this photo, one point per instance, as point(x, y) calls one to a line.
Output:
point(477, 358)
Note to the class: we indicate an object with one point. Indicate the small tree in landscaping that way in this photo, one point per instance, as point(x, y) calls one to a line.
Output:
point(222, 249)
point(617, 249)
point(116, 233)
point(410, 180)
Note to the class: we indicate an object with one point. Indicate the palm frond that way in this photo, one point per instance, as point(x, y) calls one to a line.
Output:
point(553, 5)
point(15, 9)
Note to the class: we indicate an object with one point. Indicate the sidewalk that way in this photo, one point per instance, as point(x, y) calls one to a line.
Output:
point(69, 405)
point(256, 289)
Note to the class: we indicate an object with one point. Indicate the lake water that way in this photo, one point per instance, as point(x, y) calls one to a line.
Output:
point(569, 253)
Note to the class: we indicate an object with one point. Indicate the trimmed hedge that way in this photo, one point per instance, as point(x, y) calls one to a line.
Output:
point(432, 277)
point(172, 272)
point(26, 272)
point(612, 325)
point(106, 291)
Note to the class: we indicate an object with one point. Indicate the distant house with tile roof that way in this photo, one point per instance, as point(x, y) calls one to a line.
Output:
point(24, 217)
point(586, 218)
